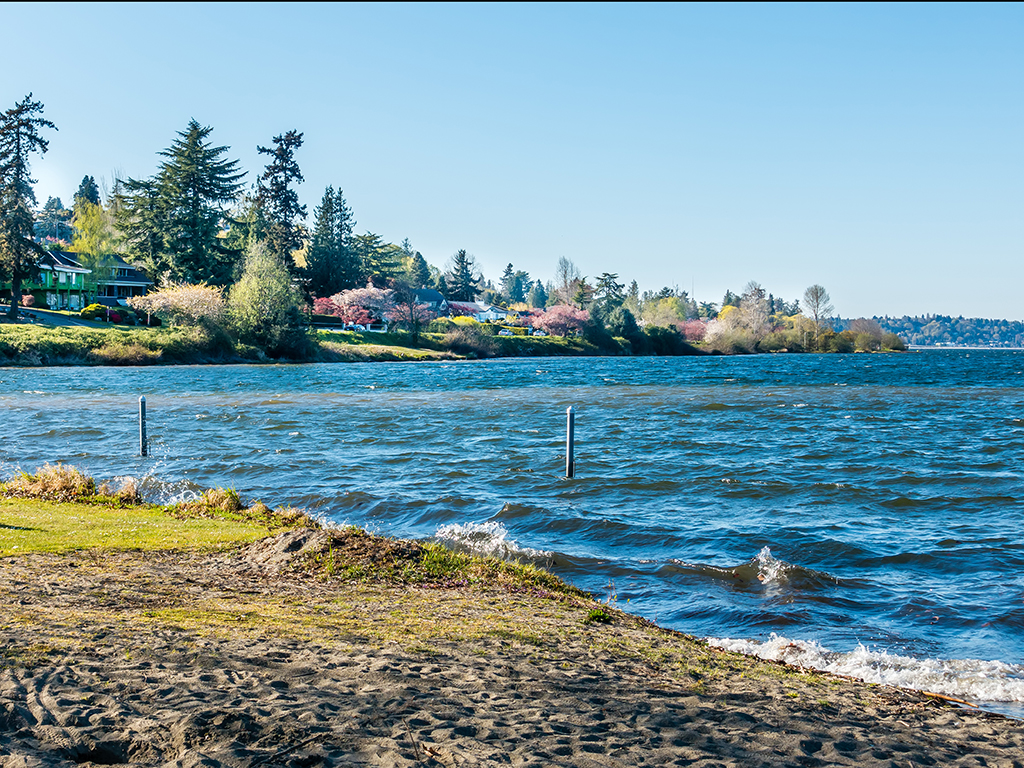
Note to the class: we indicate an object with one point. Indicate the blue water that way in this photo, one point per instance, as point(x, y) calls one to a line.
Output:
point(866, 509)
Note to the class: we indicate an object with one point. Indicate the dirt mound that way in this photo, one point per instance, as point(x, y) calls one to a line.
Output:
point(298, 548)
point(281, 552)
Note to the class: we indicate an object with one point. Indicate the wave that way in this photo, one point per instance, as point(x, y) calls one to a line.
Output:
point(488, 539)
point(764, 570)
point(970, 679)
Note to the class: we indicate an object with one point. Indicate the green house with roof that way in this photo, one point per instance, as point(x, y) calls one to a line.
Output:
point(60, 284)
point(63, 283)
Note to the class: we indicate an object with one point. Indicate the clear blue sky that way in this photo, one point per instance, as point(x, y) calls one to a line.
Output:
point(875, 149)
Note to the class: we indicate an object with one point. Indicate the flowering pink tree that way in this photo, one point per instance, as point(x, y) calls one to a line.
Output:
point(360, 305)
point(692, 330)
point(325, 306)
point(561, 320)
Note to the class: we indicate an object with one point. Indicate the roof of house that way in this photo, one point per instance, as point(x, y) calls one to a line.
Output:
point(133, 276)
point(428, 296)
point(62, 261)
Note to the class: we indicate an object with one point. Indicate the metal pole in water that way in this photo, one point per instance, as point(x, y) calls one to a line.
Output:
point(570, 442)
point(143, 442)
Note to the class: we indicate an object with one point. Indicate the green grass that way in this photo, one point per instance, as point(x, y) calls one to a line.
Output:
point(35, 525)
point(32, 345)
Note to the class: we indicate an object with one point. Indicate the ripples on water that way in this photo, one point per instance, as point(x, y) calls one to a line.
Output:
point(865, 509)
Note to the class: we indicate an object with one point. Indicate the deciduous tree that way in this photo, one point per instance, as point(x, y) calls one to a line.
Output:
point(819, 307)
point(264, 304)
point(561, 320)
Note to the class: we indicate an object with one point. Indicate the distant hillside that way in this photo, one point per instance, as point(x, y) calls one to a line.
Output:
point(943, 331)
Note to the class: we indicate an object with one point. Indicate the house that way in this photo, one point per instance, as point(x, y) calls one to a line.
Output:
point(120, 281)
point(64, 283)
point(61, 283)
point(432, 300)
point(478, 310)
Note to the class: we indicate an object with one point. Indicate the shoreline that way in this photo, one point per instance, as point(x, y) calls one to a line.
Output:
point(304, 646)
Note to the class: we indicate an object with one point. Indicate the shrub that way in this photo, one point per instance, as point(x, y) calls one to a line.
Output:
point(469, 341)
point(666, 341)
point(57, 483)
point(28, 300)
point(893, 342)
point(440, 325)
point(93, 312)
point(842, 342)
point(124, 353)
point(184, 304)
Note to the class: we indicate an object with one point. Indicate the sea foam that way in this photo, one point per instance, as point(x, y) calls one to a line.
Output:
point(489, 539)
point(970, 679)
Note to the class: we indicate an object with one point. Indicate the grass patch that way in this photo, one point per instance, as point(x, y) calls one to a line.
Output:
point(33, 525)
point(354, 555)
point(58, 509)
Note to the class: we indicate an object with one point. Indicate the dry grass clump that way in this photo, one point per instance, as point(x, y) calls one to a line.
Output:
point(225, 503)
point(128, 493)
point(56, 483)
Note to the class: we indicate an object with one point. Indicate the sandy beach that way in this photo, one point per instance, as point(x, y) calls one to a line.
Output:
point(238, 658)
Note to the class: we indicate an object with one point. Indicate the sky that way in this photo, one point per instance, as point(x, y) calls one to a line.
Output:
point(874, 149)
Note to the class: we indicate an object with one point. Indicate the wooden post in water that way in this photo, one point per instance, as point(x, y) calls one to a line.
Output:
point(570, 442)
point(143, 442)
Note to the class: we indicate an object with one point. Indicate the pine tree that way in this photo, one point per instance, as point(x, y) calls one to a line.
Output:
point(350, 273)
point(537, 296)
point(194, 184)
point(278, 202)
point(462, 281)
point(19, 138)
point(419, 271)
point(508, 278)
point(87, 192)
point(322, 258)
point(55, 220)
point(137, 213)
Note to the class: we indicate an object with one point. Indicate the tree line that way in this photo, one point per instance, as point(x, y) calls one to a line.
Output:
point(194, 222)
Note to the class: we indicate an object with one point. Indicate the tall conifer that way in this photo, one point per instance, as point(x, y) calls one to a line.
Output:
point(278, 202)
point(193, 185)
point(19, 138)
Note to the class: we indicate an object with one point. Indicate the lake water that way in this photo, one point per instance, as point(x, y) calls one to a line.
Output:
point(859, 513)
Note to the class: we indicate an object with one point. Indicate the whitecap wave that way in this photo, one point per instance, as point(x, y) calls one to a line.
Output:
point(489, 539)
point(969, 679)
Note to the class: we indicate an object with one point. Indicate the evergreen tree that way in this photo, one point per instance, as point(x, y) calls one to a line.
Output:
point(608, 294)
point(350, 272)
point(87, 192)
point(194, 184)
point(462, 281)
point(419, 271)
point(278, 202)
point(322, 258)
point(632, 300)
point(19, 138)
point(137, 214)
point(369, 250)
point(54, 220)
point(537, 297)
point(508, 279)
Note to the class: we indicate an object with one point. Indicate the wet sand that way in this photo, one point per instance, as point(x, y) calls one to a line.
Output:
point(235, 659)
